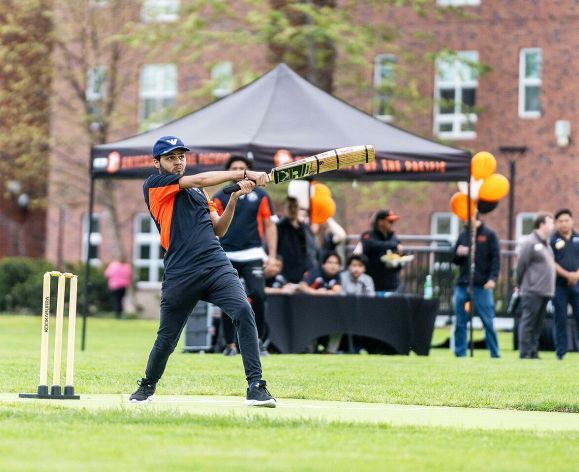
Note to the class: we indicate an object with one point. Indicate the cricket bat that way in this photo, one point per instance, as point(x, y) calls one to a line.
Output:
point(335, 159)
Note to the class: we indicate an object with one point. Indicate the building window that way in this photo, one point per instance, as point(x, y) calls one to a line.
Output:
point(222, 79)
point(99, 3)
point(160, 11)
point(95, 240)
point(157, 94)
point(444, 225)
point(456, 82)
point(148, 253)
point(524, 225)
point(95, 88)
point(384, 86)
point(530, 83)
point(457, 3)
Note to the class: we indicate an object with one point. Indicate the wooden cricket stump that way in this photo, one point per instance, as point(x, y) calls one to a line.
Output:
point(56, 392)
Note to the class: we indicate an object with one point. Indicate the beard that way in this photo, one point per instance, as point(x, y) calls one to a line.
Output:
point(165, 171)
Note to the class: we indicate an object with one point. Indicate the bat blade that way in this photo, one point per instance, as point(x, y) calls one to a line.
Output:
point(324, 162)
point(335, 159)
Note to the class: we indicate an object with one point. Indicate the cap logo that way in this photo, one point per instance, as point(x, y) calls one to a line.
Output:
point(172, 141)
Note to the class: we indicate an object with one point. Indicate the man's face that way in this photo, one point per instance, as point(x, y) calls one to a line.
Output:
point(292, 209)
point(564, 224)
point(331, 266)
point(548, 226)
point(238, 165)
point(385, 226)
point(356, 268)
point(173, 163)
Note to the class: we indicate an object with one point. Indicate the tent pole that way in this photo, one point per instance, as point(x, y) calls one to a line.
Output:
point(471, 262)
point(87, 261)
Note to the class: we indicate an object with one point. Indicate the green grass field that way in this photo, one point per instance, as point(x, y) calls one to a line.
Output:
point(46, 436)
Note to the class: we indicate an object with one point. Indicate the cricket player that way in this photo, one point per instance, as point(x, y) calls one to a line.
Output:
point(243, 245)
point(196, 267)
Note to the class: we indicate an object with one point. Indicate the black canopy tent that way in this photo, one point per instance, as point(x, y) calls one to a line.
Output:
point(279, 111)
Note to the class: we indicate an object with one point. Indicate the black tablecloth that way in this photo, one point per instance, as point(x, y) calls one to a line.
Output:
point(404, 322)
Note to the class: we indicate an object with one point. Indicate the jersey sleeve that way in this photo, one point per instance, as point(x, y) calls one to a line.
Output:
point(265, 208)
point(212, 206)
point(218, 204)
point(160, 191)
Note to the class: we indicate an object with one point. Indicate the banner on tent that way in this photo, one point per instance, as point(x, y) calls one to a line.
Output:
point(115, 164)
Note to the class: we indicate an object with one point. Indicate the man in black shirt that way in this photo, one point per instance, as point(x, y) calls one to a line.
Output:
point(243, 244)
point(378, 242)
point(296, 244)
point(196, 267)
point(486, 273)
point(565, 245)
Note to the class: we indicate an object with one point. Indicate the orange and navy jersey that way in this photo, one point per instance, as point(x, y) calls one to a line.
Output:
point(246, 228)
point(183, 219)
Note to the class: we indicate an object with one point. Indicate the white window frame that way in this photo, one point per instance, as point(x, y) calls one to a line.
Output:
point(96, 238)
point(458, 83)
point(160, 93)
point(155, 262)
point(160, 11)
point(222, 79)
point(95, 75)
point(455, 226)
point(528, 81)
point(380, 62)
point(458, 3)
point(519, 236)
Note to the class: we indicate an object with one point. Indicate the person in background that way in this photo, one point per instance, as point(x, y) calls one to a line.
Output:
point(376, 243)
point(324, 280)
point(486, 273)
point(353, 280)
point(565, 246)
point(243, 244)
point(119, 276)
point(330, 236)
point(536, 274)
point(296, 244)
point(275, 282)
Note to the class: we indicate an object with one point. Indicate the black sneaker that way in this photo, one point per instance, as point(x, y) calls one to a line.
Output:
point(145, 391)
point(259, 396)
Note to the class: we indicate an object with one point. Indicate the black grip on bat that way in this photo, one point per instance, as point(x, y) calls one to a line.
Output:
point(231, 188)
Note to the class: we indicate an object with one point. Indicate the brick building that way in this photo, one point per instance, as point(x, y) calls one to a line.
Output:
point(529, 97)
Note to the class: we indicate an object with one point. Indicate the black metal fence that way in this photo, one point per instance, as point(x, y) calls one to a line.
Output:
point(433, 255)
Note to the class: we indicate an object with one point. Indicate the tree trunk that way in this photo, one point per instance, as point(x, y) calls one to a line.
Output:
point(312, 56)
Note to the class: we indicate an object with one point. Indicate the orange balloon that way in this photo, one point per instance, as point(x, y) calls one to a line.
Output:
point(482, 165)
point(321, 190)
point(459, 206)
point(322, 209)
point(494, 188)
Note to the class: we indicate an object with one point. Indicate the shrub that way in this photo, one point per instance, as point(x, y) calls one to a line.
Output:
point(21, 281)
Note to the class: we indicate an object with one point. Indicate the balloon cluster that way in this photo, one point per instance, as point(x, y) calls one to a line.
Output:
point(320, 202)
point(486, 187)
point(323, 206)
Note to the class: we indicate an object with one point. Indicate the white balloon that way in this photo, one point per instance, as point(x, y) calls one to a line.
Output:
point(300, 190)
point(475, 186)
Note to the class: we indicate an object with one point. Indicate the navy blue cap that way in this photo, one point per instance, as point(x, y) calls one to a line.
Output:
point(168, 144)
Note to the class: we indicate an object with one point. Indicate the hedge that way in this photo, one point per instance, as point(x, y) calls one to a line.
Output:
point(21, 281)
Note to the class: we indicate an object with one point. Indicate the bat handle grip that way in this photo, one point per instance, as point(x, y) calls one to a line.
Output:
point(231, 188)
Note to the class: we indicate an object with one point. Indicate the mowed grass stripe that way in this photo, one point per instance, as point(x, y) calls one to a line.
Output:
point(328, 411)
point(53, 438)
point(118, 350)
